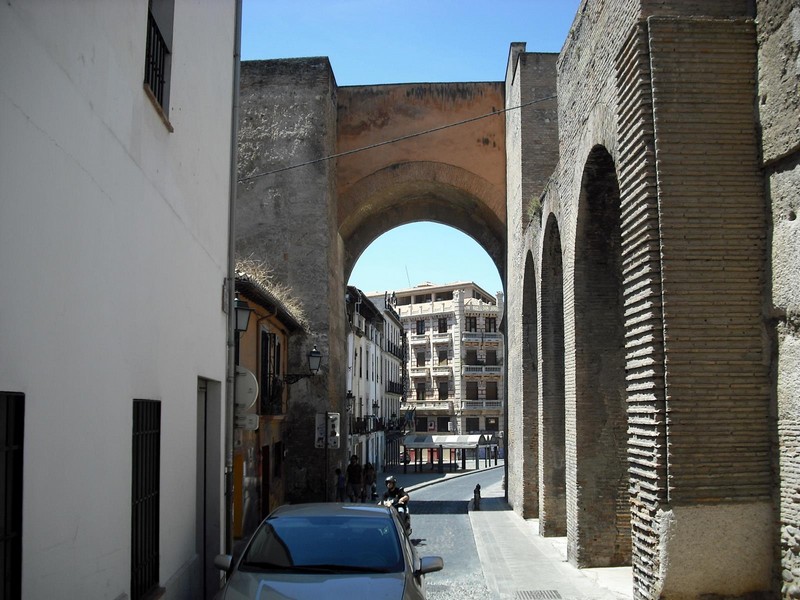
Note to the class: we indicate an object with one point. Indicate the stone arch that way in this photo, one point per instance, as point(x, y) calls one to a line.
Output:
point(421, 191)
point(602, 496)
point(552, 409)
point(530, 392)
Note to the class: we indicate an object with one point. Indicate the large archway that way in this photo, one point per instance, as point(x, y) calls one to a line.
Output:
point(552, 420)
point(602, 532)
point(530, 393)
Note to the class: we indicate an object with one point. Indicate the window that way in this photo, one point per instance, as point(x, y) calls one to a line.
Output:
point(491, 424)
point(472, 390)
point(271, 387)
point(473, 424)
point(421, 424)
point(145, 491)
point(442, 424)
point(491, 390)
point(421, 327)
point(472, 324)
point(443, 357)
point(442, 324)
point(491, 357)
point(420, 359)
point(443, 390)
point(490, 323)
point(420, 391)
point(471, 357)
point(157, 60)
point(12, 428)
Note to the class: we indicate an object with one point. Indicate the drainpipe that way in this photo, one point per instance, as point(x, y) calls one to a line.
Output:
point(231, 284)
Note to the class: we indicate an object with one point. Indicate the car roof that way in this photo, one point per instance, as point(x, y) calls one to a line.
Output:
point(330, 509)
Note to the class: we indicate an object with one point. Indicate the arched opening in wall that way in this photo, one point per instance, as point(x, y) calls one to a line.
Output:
point(602, 534)
point(446, 293)
point(552, 416)
point(530, 394)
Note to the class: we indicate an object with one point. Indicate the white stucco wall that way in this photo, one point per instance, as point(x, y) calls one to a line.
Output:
point(113, 252)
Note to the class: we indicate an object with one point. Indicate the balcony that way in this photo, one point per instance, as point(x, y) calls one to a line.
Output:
point(442, 338)
point(482, 370)
point(443, 370)
point(432, 405)
point(490, 405)
point(417, 339)
point(418, 371)
point(481, 338)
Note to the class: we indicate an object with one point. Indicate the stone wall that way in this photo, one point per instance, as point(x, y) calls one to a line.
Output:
point(286, 217)
point(779, 117)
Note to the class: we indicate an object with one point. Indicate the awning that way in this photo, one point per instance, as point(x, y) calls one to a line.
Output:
point(447, 441)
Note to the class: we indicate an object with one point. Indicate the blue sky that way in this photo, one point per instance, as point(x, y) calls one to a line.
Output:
point(409, 41)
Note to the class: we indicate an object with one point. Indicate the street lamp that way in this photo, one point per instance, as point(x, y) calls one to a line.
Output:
point(314, 360)
point(242, 312)
point(349, 401)
point(375, 407)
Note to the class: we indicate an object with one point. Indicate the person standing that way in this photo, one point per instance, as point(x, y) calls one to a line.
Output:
point(339, 482)
point(369, 482)
point(355, 480)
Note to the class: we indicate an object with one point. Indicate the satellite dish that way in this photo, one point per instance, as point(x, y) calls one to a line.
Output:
point(246, 389)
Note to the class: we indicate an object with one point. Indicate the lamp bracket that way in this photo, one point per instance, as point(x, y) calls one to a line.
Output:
point(291, 378)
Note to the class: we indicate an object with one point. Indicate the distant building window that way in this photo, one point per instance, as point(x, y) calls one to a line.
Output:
point(145, 494)
point(157, 60)
point(420, 391)
point(491, 357)
point(491, 390)
point(12, 426)
point(443, 357)
point(472, 324)
point(473, 424)
point(491, 424)
point(442, 325)
point(472, 357)
point(420, 327)
point(420, 359)
point(443, 390)
point(442, 424)
point(490, 324)
point(472, 390)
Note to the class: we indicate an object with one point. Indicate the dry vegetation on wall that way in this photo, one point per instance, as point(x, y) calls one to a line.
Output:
point(258, 271)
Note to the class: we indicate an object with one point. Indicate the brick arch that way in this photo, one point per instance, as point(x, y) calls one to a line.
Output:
point(530, 391)
point(552, 409)
point(601, 535)
point(421, 191)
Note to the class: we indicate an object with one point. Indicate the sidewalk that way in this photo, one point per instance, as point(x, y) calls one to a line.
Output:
point(518, 563)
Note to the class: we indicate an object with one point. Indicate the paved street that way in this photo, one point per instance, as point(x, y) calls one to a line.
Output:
point(493, 554)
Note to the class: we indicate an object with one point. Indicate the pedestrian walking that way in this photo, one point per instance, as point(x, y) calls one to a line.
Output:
point(369, 481)
point(355, 479)
point(339, 482)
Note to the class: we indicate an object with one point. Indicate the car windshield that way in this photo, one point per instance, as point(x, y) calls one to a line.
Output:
point(325, 544)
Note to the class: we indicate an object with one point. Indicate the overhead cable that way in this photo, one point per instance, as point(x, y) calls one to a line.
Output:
point(392, 141)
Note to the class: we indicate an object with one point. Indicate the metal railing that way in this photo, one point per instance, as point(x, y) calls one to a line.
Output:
point(155, 64)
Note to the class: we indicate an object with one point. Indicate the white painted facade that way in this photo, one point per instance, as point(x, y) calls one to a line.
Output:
point(113, 253)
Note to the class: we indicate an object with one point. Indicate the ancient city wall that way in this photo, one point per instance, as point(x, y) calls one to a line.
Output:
point(779, 117)
point(286, 217)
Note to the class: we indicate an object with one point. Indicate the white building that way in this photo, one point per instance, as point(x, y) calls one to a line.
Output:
point(455, 357)
point(365, 379)
point(114, 248)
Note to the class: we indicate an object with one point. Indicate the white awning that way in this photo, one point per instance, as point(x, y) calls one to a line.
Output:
point(447, 441)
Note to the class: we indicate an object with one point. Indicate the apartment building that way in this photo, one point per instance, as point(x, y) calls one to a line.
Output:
point(455, 357)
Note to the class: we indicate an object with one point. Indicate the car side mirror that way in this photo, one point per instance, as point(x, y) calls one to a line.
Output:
point(430, 564)
point(223, 562)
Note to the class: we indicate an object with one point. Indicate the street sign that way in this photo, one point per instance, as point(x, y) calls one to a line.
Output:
point(327, 430)
point(248, 422)
point(246, 389)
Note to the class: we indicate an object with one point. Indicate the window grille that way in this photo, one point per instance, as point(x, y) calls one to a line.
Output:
point(12, 427)
point(155, 63)
point(145, 494)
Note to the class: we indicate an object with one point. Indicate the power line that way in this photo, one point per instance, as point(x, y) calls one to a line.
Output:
point(392, 141)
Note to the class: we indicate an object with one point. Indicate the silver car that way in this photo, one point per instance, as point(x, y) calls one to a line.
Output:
point(328, 550)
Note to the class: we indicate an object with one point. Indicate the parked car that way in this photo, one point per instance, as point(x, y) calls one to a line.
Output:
point(328, 550)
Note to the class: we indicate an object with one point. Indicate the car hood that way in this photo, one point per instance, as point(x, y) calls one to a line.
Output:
point(277, 586)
